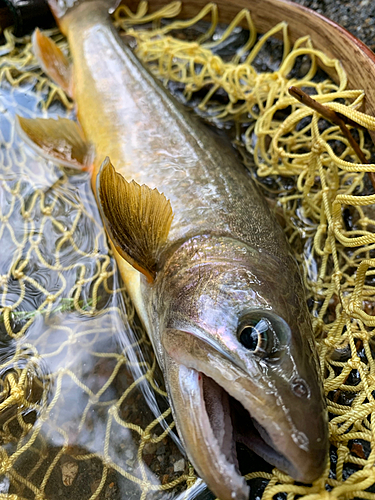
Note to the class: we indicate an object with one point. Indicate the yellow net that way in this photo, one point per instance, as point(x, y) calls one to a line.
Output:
point(77, 383)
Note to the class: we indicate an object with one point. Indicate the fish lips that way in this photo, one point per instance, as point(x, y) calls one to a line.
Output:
point(210, 447)
point(258, 419)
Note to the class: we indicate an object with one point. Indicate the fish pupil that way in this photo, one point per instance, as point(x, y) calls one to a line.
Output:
point(249, 337)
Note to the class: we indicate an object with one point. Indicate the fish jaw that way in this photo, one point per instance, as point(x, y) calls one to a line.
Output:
point(211, 455)
point(263, 422)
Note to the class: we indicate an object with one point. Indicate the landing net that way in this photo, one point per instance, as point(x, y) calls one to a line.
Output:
point(78, 379)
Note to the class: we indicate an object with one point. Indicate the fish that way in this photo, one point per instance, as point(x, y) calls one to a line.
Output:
point(207, 266)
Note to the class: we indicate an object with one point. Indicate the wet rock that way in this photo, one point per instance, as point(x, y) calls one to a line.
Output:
point(179, 465)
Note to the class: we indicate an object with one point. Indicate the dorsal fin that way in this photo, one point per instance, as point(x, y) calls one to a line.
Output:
point(137, 218)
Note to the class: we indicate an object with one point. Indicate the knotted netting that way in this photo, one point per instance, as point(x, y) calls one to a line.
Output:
point(80, 387)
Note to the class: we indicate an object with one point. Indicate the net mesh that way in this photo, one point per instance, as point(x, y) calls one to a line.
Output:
point(79, 383)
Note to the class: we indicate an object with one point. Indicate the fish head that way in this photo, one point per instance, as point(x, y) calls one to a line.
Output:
point(236, 331)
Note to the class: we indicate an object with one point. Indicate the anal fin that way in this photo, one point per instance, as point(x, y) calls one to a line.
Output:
point(52, 60)
point(137, 219)
point(61, 141)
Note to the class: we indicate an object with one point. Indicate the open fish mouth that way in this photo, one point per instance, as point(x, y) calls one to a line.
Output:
point(231, 423)
point(217, 404)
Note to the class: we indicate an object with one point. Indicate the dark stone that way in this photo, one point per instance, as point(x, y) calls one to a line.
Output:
point(358, 17)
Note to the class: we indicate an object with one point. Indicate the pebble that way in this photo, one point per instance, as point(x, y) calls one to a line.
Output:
point(149, 448)
point(69, 471)
point(179, 466)
point(130, 463)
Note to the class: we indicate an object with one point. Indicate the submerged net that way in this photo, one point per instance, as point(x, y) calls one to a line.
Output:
point(79, 383)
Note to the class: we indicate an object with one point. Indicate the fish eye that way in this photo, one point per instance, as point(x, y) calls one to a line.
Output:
point(263, 333)
point(256, 335)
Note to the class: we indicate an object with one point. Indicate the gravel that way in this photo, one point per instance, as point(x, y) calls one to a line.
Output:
point(358, 17)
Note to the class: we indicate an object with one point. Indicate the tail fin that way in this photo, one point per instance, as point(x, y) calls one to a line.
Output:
point(60, 8)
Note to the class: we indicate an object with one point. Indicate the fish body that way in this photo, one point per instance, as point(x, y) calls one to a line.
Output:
point(220, 294)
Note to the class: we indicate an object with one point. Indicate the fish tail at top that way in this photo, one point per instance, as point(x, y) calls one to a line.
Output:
point(60, 8)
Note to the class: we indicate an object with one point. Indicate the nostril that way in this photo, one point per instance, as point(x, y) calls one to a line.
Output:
point(300, 388)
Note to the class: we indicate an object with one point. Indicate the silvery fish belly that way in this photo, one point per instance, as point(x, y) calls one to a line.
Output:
point(206, 264)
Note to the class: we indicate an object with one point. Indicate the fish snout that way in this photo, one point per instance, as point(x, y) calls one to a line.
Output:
point(308, 436)
point(313, 465)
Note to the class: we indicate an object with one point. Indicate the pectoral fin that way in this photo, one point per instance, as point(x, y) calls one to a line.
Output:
point(136, 217)
point(52, 60)
point(59, 140)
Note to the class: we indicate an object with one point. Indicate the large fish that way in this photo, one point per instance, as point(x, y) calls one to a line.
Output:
point(209, 269)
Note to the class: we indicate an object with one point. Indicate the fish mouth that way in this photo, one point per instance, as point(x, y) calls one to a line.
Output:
point(239, 427)
point(216, 404)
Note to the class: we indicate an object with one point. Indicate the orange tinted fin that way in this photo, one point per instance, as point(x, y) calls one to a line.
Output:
point(61, 141)
point(52, 60)
point(136, 218)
